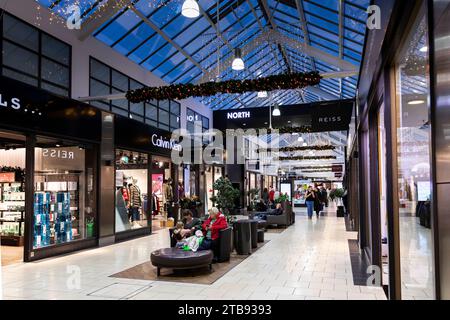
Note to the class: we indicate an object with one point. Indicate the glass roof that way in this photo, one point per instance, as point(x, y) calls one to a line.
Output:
point(183, 50)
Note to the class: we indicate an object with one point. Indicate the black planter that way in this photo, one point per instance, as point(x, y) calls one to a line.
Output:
point(340, 211)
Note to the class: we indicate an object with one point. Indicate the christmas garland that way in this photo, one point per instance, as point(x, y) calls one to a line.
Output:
point(183, 91)
point(302, 148)
point(317, 148)
point(283, 130)
point(307, 158)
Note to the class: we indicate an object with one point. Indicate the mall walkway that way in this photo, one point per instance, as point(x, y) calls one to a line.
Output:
point(310, 260)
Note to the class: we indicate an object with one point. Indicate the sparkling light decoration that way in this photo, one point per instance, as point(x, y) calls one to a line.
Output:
point(183, 91)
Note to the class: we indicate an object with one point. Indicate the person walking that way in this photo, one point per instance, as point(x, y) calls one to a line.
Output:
point(309, 200)
point(271, 196)
point(317, 202)
point(265, 196)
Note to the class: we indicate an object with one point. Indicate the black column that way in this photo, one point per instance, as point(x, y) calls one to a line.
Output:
point(29, 198)
point(106, 208)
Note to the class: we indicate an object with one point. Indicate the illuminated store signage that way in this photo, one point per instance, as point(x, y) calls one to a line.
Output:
point(238, 115)
point(60, 154)
point(330, 119)
point(164, 143)
point(10, 103)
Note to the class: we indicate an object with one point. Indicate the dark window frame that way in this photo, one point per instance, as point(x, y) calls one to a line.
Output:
point(133, 115)
point(41, 56)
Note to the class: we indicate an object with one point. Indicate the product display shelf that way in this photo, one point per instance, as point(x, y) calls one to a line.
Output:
point(12, 211)
point(56, 212)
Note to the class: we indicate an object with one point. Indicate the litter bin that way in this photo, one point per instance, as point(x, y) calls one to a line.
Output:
point(254, 233)
point(243, 243)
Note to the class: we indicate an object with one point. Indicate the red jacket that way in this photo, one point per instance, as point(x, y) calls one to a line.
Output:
point(272, 195)
point(219, 224)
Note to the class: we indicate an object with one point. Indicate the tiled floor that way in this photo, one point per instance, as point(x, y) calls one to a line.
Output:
point(308, 261)
point(416, 247)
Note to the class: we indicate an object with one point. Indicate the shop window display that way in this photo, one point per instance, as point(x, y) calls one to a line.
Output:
point(163, 192)
point(132, 201)
point(12, 197)
point(413, 160)
point(383, 194)
point(64, 198)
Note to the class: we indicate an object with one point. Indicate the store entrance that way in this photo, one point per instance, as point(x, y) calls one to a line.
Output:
point(12, 197)
point(164, 211)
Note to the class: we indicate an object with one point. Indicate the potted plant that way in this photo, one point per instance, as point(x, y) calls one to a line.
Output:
point(192, 203)
point(89, 227)
point(282, 198)
point(338, 194)
point(226, 195)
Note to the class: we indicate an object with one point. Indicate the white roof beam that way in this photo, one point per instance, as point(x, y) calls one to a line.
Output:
point(97, 19)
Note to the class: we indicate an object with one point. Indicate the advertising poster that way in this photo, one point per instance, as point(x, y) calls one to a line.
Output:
point(300, 187)
point(157, 182)
point(285, 188)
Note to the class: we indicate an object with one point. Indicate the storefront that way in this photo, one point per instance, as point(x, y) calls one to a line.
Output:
point(48, 173)
point(148, 184)
point(402, 119)
point(211, 174)
point(74, 177)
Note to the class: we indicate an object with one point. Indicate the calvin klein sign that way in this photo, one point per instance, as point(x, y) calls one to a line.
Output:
point(13, 103)
point(238, 115)
point(164, 143)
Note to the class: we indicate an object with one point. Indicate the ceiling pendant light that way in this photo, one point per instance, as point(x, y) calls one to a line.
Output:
point(190, 9)
point(300, 139)
point(276, 111)
point(238, 63)
point(262, 94)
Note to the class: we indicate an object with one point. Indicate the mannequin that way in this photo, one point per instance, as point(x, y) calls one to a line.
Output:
point(135, 204)
point(168, 196)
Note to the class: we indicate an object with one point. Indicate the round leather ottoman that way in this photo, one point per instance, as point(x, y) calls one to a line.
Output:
point(174, 258)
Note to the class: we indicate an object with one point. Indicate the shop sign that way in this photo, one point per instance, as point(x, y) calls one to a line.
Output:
point(164, 143)
point(59, 154)
point(331, 118)
point(13, 103)
point(238, 115)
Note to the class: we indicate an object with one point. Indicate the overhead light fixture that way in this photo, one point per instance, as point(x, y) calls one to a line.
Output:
point(276, 111)
point(262, 94)
point(190, 9)
point(416, 102)
point(305, 144)
point(311, 153)
point(300, 139)
point(238, 64)
point(424, 49)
